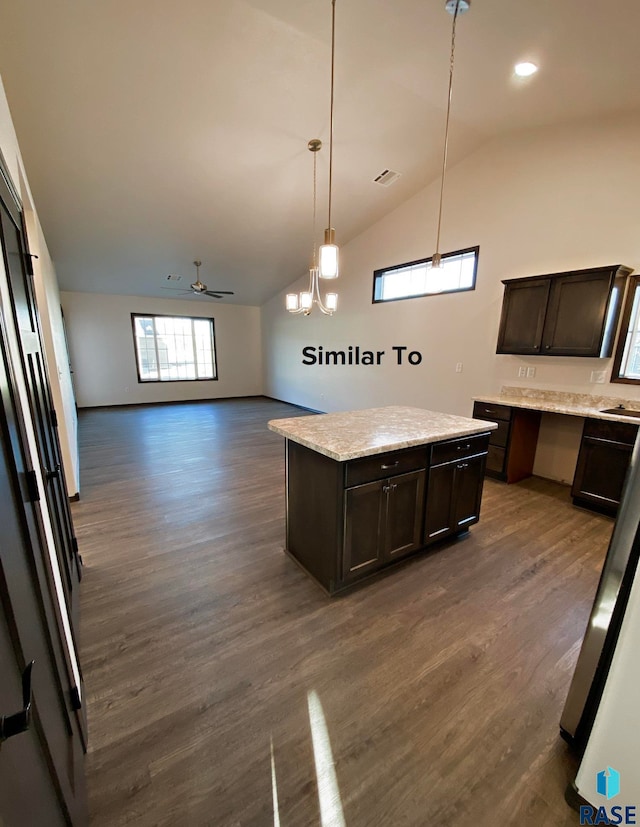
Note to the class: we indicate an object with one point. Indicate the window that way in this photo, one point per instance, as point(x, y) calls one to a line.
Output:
point(174, 348)
point(626, 362)
point(416, 278)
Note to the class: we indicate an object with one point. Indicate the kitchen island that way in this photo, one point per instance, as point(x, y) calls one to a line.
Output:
point(367, 488)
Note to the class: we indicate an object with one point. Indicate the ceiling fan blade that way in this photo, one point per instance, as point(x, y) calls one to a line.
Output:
point(213, 294)
point(176, 290)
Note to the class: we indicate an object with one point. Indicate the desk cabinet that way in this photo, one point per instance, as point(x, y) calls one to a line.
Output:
point(563, 314)
point(512, 447)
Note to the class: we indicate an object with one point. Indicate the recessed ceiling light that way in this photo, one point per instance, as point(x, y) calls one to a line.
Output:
point(525, 70)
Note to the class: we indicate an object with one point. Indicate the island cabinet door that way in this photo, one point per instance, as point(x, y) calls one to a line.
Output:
point(469, 478)
point(405, 507)
point(365, 507)
point(454, 493)
point(438, 512)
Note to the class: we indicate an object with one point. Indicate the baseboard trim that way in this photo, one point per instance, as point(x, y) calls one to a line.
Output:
point(294, 404)
point(170, 402)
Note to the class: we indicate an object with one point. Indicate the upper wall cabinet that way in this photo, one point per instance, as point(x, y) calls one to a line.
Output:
point(563, 314)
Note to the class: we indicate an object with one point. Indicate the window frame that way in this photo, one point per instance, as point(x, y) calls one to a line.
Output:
point(161, 381)
point(633, 285)
point(381, 271)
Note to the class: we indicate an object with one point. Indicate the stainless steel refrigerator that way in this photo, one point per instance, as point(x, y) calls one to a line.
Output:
point(607, 614)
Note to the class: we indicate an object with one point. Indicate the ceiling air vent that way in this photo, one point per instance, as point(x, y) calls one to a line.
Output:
point(174, 278)
point(386, 178)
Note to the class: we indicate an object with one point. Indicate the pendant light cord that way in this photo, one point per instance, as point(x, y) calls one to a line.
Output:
point(446, 129)
point(315, 189)
point(333, 53)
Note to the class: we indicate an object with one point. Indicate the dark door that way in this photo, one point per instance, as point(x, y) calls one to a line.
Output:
point(41, 769)
point(438, 513)
point(27, 793)
point(600, 472)
point(405, 499)
point(469, 477)
point(365, 507)
point(576, 314)
point(523, 314)
point(18, 266)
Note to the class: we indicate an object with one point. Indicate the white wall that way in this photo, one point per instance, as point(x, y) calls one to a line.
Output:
point(538, 202)
point(48, 303)
point(103, 356)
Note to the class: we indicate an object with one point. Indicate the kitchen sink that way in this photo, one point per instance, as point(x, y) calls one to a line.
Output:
point(622, 411)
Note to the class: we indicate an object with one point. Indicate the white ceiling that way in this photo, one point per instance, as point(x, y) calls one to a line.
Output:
point(155, 132)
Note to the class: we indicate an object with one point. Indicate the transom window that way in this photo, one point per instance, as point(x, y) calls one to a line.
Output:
point(174, 348)
point(626, 363)
point(417, 278)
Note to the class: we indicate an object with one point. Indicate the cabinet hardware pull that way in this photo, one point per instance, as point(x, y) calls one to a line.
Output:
point(466, 447)
point(547, 347)
point(390, 465)
point(11, 725)
point(52, 475)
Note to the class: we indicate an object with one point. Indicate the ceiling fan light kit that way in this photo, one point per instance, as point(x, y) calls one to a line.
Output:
point(198, 287)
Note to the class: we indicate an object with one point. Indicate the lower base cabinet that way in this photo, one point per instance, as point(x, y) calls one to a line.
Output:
point(603, 460)
point(347, 520)
point(456, 489)
point(383, 521)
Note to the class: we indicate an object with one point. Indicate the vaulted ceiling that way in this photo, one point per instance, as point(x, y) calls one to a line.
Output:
point(156, 132)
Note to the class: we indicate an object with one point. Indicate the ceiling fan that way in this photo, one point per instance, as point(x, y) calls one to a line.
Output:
point(201, 289)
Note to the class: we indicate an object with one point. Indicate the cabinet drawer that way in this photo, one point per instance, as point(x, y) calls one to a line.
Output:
point(380, 466)
point(495, 459)
point(487, 410)
point(613, 431)
point(459, 448)
point(500, 436)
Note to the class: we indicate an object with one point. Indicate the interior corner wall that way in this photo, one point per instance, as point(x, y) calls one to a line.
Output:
point(535, 202)
point(103, 356)
point(47, 298)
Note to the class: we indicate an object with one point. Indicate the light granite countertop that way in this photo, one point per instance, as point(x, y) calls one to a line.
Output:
point(353, 434)
point(561, 402)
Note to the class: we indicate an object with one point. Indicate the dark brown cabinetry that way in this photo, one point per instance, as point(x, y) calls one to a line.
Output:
point(605, 452)
point(382, 521)
point(346, 520)
point(455, 490)
point(512, 447)
point(563, 314)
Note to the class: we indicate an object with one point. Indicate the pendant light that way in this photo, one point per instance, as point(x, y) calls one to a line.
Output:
point(329, 250)
point(455, 8)
point(304, 302)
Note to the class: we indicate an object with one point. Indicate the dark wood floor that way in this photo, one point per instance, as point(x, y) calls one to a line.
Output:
point(441, 684)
